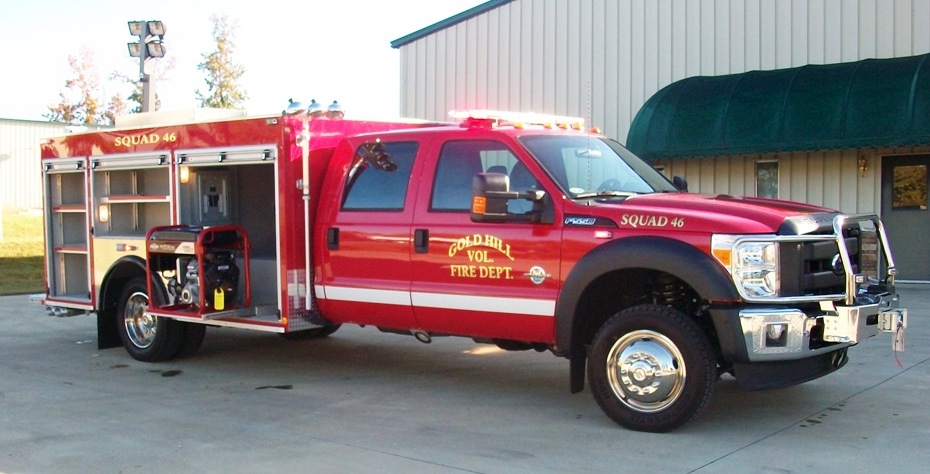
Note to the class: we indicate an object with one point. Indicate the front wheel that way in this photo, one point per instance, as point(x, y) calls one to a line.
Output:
point(651, 368)
point(147, 338)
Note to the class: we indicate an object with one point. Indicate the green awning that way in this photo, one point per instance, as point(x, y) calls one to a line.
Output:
point(869, 103)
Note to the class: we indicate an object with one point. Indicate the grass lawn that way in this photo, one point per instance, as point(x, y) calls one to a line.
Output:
point(21, 253)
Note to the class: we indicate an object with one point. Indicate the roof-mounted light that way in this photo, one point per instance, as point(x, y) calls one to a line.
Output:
point(293, 108)
point(334, 111)
point(315, 110)
point(473, 122)
point(489, 118)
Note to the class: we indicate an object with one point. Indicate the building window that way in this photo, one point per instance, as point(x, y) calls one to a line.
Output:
point(909, 188)
point(767, 179)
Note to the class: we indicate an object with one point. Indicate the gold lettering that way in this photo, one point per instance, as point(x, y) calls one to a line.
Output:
point(133, 140)
point(489, 272)
point(463, 271)
point(641, 220)
point(478, 240)
point(480, 256)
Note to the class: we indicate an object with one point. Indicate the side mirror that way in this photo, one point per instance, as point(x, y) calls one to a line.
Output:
point(490, 194)
point(680, 183)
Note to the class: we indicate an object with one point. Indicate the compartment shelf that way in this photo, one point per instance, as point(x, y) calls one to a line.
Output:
point(72, 249)
point(69, 208)
point(132, 199)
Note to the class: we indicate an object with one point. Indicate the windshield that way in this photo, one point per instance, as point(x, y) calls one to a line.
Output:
point(588, 166)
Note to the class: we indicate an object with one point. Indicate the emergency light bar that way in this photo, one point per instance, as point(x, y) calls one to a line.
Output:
point(491, 118)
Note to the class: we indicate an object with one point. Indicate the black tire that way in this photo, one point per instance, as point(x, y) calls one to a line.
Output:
point(149, 339)
point(315, 333)
point(192, 338)
point(651, 368)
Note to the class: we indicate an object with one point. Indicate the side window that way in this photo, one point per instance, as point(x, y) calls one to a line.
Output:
point(379, 177)
point(460, 161)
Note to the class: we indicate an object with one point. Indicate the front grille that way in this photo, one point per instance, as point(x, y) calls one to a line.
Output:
point(808, 267)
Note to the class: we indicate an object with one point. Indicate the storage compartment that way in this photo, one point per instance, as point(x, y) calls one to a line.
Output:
point(67, 189)
point(130, 201)
point(70, 275)
point(67, 261)
point(241, 194)
point(70, 229)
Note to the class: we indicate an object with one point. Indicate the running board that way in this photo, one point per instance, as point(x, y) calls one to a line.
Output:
point(259, 318)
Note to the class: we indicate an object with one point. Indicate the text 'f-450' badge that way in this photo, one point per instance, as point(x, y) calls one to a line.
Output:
point(537, 275)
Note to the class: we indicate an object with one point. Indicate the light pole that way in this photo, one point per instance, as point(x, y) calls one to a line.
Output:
point(150, 45)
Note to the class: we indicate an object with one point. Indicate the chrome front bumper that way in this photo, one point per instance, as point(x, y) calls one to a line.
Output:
point(785, 333)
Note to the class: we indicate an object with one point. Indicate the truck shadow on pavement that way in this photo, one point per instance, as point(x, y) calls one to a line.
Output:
point(356, 362)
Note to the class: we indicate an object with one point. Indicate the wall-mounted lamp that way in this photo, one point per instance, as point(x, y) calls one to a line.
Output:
point(863, 165)
point(103, 213)
point(185, 174)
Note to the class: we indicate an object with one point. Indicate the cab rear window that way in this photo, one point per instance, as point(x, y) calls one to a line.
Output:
point(379, 177)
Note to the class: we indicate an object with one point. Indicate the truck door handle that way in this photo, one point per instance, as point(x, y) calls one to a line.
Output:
point(332, 238)
point(421, 241)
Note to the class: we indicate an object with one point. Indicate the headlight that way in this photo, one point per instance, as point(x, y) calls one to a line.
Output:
point(752, 264)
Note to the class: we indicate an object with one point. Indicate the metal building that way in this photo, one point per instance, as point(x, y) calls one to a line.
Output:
point(604, 59)
point(20, 170)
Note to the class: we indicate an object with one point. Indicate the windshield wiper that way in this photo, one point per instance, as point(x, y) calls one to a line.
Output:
point(607, 193)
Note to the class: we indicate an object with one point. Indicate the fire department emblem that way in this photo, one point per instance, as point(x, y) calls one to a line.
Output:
point(537, 275)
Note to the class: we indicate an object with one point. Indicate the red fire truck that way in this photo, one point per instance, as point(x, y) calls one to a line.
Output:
point(520, 230)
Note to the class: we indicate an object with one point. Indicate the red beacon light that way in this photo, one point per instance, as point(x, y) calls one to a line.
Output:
point(473, 122)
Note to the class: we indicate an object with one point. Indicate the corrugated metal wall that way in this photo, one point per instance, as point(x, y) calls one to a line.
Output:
point(20, 169)
point(830, 178)
point(601, 59)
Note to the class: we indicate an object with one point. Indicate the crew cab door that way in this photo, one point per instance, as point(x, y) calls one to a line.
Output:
point(487, 280)
point(365, 268)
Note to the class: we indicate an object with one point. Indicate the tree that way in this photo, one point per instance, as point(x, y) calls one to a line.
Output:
point(132, 103)
point(115, 108)
point(82, 101)
point(79, 103)
point(222, 73)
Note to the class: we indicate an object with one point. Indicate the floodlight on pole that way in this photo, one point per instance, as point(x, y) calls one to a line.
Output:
point(156, 28)
point(135, 49)
point(150, 45)
point(155, 50)
point(136, 28)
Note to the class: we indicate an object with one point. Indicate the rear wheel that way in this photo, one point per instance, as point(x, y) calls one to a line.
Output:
point(192, 338)
point(147, 338)
point(651, 368)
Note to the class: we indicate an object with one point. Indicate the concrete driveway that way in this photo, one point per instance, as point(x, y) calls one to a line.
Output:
point(363, 401)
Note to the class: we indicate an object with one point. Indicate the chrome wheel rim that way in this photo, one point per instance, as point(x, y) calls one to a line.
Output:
point(140, 327)
point(646, 371)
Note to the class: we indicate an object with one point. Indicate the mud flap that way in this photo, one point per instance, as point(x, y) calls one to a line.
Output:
point(107, 333)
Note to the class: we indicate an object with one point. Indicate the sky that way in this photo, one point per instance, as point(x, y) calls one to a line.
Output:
point(302, 49)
